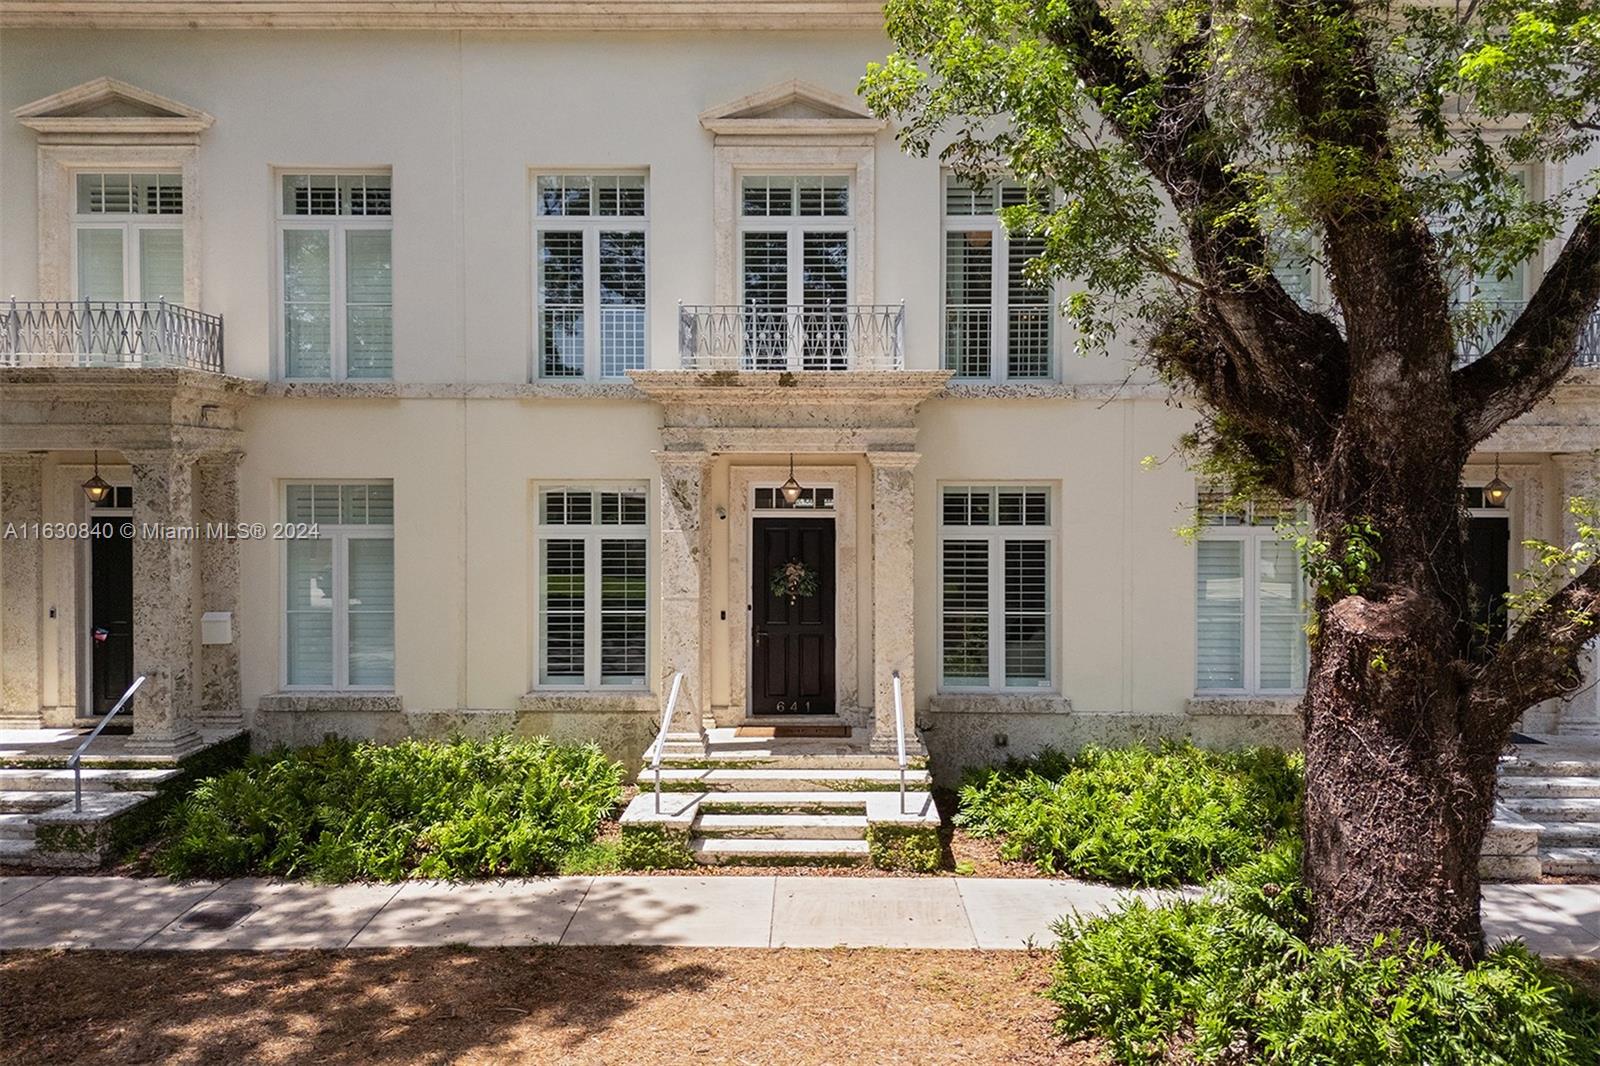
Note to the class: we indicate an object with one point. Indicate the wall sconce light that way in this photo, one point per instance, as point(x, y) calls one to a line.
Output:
point(97, 488)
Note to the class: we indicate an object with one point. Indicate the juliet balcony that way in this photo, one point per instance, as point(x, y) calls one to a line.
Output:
point(104, 333)
point(837, 337)
point(1477, 337)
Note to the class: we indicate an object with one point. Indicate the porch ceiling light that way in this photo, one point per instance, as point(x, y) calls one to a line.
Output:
point(791, 489)
point(1496, 491)
point(97, 488)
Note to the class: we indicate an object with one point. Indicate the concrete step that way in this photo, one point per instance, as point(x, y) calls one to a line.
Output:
point(786, 802)
point(1530, 764)
point(739, 760)
point(95, 779)
point(26, 802)
point(782, 780)
point(1516, 787)
point(15, 827)
point(1570, 862)
point(17, 853)
point(1569, 834)
point(716, 852)
point(782, 826)
point(1547, 809)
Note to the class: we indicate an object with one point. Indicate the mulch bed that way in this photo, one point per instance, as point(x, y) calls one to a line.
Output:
point(539, 1005)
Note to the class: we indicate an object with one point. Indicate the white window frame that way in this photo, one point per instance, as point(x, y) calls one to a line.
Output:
point(590, 226)
point(999, 291)
point(795, 227)
point(130, 224)
point(591, 535)
point(1251, 537)
point(336, 227)
point(341, 535)
point(996, 537)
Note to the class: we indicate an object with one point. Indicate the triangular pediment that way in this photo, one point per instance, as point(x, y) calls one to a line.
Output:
point(106, 105)
point(790, 107)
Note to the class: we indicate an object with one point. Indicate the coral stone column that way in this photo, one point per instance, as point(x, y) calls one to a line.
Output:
point(21, 589)
point(216, 479)
point(1579, 476)
point(164, 617)
point(893, 602)
point(685, 582)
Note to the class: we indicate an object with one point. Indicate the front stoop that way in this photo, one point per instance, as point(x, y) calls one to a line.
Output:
point(778, 802)
point(1552, 791)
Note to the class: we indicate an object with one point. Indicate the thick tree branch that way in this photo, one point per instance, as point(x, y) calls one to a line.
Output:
point(1537, 351)
point(1540, 660)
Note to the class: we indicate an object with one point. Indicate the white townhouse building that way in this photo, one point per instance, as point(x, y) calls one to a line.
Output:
point(443, 367)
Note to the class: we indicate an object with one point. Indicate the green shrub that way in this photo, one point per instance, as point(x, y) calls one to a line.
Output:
point(905, 847)
point(1231, 978)
point(654, 847)
point(345, 810)
point(1135, 815)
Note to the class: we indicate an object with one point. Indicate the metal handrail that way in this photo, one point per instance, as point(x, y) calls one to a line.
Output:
point(75, 761)
point(900, 737)
point(661, 737)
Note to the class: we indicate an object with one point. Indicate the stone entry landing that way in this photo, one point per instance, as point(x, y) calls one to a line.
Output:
point(1553, 788)
point(770, 801)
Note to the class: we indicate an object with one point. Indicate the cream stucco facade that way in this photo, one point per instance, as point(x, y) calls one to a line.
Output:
point(469, 433)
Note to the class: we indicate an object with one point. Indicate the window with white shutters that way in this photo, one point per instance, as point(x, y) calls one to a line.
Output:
point(996, 544)
point(594, 584)
point(128, 236)
point(335, 252)
point(1249, 602)
point(795, 234)
point(338, 630)
point(999, 324)
point(590, 275)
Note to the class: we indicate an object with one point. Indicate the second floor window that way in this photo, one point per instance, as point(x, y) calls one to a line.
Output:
point(998, 324)
point(128, 236)
point(1249, 602)
point(589, 274)
point(794, 269)
point(336, 305)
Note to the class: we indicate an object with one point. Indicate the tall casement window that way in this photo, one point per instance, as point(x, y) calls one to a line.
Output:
point(339, 585)
point(998, 325)
point(336, 310)
point(795, 233)
point(593, 586)
point(1249, 602)
point(995, 549)
point(589, 275)
point(128, 236)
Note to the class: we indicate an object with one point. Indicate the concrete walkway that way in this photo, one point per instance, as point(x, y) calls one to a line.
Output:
point(757, 912)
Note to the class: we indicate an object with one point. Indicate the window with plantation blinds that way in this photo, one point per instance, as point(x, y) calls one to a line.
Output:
point(589, 276)
point(593, 586)
point(336, 313)
point(1249, 602)
point(128, 236)
point(996, 593)
point(794, 262)
point(998, 322)
point(339, 594)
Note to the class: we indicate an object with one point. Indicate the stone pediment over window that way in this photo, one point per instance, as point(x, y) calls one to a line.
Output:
point(792, 108)
point(106, 110)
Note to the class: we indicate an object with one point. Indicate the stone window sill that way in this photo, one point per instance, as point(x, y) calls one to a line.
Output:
point(591, 701)
point(317, 702)
point(1242, 706)
point(998, 703)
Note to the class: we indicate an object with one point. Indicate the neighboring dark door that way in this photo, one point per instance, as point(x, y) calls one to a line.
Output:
point(1489, 567)
point(110, 614)
point(792, 646)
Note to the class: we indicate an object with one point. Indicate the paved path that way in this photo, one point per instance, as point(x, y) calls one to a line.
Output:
point(797, 911)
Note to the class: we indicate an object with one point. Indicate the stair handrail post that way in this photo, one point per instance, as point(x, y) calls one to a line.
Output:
point(76, 759)
point(661, 736)
point(900, 736)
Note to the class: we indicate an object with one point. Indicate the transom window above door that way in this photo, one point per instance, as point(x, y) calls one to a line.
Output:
point(795, 237)
point(590, 270)
point(128, 236)
point(336, 304)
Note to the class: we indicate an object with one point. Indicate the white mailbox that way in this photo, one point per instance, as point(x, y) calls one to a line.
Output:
point(216, 627)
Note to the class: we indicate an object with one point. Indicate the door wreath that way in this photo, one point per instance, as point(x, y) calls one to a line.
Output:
point(792, 580)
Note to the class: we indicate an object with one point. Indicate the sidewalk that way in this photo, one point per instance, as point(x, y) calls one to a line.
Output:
point(758, 912)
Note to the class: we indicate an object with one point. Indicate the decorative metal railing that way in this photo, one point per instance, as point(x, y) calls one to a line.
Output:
point(124, 333)
point(1493, 318)
point(838, 337)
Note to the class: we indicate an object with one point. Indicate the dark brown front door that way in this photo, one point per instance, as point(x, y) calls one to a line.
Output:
point(1489, 568)
point(110, 614)
point(792, 646)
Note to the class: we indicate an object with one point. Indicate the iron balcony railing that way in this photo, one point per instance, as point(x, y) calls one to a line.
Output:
point(835, 337)
point(121, 333)
point(1493, 318)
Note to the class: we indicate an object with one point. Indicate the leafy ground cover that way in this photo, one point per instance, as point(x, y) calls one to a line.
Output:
point(1136, 815)
point(421, 808)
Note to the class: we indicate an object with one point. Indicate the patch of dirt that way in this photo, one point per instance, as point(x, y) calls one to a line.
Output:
point(1585, 973)
point(538, 1005)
